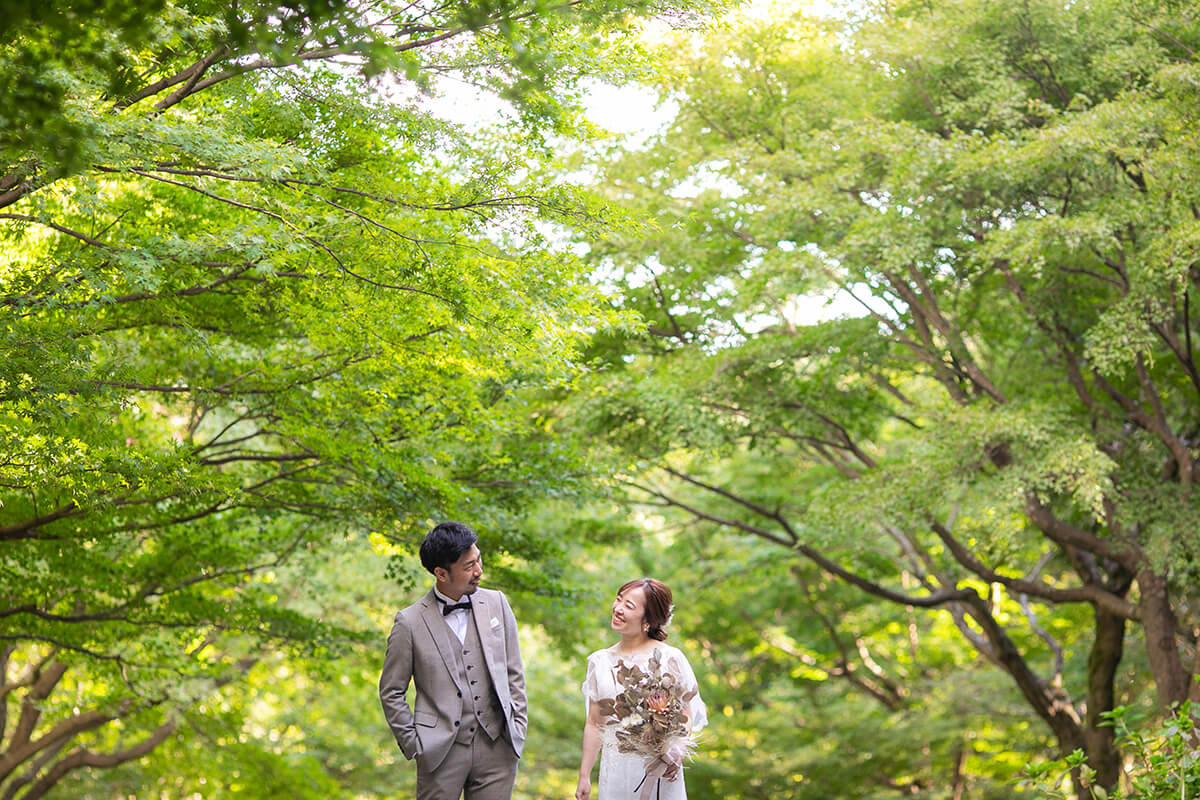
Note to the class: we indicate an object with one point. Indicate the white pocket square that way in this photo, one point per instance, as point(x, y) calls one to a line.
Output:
point(495, 622)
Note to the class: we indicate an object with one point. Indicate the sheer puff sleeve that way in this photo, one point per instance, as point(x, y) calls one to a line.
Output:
point(591, 682)
point(678, 665)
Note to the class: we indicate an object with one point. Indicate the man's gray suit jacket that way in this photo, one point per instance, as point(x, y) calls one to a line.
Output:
point(420, 650)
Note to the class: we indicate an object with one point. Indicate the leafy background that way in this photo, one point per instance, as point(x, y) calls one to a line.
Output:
point(266, 314)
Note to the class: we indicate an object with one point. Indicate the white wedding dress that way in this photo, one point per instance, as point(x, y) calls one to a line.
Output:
point(621, 773)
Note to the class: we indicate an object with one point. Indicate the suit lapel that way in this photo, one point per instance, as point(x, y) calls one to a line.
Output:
point(481, 610)
point(441, 633)
point(486, 610)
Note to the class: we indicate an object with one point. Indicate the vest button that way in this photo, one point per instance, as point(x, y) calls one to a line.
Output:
point(456, 724)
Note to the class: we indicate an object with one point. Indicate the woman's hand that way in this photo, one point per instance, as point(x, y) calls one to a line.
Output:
point(673, 758)
point(583, 790)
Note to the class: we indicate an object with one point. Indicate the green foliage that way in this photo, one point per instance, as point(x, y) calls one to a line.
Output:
point(258, 298)
point(993, 427)
point(1163, 761)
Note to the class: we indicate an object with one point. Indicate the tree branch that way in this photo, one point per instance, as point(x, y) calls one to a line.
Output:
point(1092, 594)
point(24, 530)
point(82, 757)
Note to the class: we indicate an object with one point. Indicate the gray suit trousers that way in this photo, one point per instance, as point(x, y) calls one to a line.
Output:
point(481, 769)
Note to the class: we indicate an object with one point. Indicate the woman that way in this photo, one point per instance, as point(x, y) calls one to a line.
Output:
point(640, 614)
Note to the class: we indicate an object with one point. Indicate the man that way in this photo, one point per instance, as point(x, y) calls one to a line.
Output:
point(458, 646)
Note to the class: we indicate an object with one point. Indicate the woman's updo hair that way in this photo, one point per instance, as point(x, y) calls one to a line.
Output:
point(658, 608)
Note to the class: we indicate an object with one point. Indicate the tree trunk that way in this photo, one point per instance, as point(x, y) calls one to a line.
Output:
point(1050, 702)
point(1171, 679)
point(1103, 661)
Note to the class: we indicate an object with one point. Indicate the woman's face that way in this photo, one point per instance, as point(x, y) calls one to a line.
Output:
point(629, 611)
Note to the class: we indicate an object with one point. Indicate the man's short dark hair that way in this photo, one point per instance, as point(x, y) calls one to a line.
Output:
point(446, 544)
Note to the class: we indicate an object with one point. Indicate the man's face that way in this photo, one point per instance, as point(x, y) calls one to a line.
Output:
point(462, 577)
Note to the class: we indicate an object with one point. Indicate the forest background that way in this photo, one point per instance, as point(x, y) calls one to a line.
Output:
point(879, 351)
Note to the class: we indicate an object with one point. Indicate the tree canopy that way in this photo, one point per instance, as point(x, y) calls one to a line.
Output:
point(257, 296)
point(881, 354)
point(998, 423)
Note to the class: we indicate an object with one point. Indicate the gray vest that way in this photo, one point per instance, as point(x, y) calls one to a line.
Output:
point(480, 704)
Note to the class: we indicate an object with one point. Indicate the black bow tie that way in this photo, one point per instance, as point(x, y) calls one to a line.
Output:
point(447, 607)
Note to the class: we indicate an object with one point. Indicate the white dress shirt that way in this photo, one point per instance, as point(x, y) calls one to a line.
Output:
point(457, 619)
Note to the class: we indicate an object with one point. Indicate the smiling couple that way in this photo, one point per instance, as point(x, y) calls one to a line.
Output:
point(458, 647)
